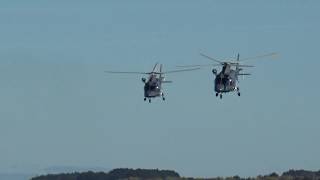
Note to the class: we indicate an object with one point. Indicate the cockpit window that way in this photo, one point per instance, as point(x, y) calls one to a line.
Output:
point(153, 87)
point(225, 80)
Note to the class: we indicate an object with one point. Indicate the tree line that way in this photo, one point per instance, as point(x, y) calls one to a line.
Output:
point(121, 173)
point(155, 174)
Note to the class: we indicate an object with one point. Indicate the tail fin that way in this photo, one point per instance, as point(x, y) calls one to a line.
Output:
point(237, 66)
point(154, 67)
point(160, 70)
point(161, 74)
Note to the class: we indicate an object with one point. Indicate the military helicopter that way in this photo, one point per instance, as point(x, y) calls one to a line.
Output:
point(153, 84)
point(227, 79)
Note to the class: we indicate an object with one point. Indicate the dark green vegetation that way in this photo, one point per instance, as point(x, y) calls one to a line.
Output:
point(155, 174)
point(114, 174)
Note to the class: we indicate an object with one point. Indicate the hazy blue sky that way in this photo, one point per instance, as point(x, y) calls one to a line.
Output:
point(59, 108)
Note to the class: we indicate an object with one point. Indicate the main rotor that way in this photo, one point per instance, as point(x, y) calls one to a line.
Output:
point(237, 62)
point(154, 71)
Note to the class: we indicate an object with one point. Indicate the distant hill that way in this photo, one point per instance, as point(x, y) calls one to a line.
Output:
point(155, 174)
point(113, 174)
point(71, 169)
point(303, 174)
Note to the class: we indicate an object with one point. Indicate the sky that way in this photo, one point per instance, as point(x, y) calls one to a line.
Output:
point(59, 109)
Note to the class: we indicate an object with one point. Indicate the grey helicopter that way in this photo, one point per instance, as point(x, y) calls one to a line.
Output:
point(153, 84)
point(227, 80)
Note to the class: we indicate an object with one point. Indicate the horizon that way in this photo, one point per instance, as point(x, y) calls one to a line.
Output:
point(71, 170)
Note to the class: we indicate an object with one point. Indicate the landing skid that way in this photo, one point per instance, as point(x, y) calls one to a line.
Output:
point(219, 94)
point(149, 99)
point(163, 98)
point(238, 91)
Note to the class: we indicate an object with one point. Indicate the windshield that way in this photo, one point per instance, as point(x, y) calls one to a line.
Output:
point(153, 87)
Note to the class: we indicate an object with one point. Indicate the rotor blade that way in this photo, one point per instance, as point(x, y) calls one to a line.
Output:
point(261, 56)
point(199, 65)
point(124, 72)
point(154, 68)
point(182, 70)
point(212, 59)
point(241, 65)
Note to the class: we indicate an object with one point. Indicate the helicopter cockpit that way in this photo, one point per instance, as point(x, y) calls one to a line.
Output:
point(152, 86)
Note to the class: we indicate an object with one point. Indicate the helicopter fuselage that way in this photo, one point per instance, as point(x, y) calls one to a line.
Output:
point(152, 87)
point(225, 82)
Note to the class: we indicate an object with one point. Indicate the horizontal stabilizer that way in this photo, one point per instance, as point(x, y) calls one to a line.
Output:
point(166, 81)
point(244, 74)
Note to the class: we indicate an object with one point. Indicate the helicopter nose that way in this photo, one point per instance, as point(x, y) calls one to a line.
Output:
point(219, 87)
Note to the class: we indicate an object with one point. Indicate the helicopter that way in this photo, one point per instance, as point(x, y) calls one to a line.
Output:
point(227, 79)
point(153, 84)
